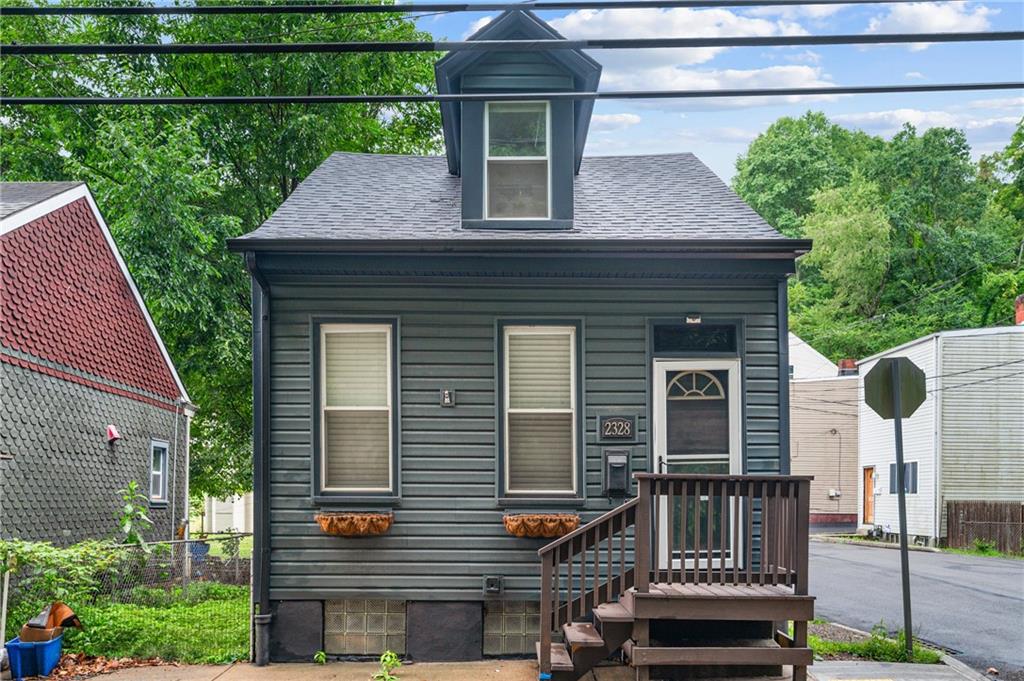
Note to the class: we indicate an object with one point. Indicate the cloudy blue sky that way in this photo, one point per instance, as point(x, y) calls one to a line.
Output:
point(719, 130)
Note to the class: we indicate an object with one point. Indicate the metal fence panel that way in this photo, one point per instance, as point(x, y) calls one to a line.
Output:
point(185, 600)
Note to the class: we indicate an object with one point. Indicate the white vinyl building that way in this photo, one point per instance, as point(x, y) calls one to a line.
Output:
point(965, 442)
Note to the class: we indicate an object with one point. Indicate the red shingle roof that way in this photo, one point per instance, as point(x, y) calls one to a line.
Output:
point(66, 301)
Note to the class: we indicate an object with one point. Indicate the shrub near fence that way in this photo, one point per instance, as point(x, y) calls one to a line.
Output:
point(970, 524)
point(186, 601)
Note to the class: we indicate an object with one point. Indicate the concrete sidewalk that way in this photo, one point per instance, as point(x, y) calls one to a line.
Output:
point(888, 671)
point(500, 670)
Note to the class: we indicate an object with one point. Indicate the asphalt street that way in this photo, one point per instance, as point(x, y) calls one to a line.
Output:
point(971, 605)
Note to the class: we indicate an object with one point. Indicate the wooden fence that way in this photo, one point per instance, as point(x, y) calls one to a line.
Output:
point(998, 522)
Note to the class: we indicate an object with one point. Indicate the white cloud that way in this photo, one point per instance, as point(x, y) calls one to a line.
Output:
point(805, 57)
point(1002, 103)
point(673, 78)
point(612, 122)
point(478, 24)
point(647, 23)
point(978, 128)
point(813, 12)
point(931, 17)
point(913, 75)
point(728, 135)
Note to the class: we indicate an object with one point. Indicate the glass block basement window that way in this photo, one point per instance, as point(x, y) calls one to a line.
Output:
point(364, 627)
point(511, 627)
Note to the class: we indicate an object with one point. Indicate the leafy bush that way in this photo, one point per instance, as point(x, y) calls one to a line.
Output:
point(206, 622)
point(985, 546)
point(46, 573)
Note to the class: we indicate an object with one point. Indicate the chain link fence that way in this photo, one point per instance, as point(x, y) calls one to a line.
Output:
point(185, 601)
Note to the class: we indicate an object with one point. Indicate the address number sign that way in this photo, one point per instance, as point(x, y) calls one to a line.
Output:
point(617, 427)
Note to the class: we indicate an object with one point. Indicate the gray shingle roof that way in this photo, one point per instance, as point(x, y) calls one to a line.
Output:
point(16, 196)
point(371, 197)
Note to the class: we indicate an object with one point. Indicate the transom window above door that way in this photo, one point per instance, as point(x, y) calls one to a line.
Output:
point(517, 183)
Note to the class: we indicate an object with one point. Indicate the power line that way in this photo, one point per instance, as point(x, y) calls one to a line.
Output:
point(510, 45)
point(538, 5)
point(506, 96)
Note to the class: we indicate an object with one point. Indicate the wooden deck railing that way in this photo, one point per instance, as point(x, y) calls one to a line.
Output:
point(723, 529)
point(686, 529)
point(565, 571)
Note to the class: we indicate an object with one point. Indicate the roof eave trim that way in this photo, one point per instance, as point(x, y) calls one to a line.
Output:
point(43, 208)
point(791, 248)
point(39, 209)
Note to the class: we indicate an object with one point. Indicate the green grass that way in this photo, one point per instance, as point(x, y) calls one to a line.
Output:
point(207, 625)
point(879, 647)
point(217, 547)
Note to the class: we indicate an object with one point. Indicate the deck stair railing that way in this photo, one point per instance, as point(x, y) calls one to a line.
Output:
point(727, 530)
point(566, 575)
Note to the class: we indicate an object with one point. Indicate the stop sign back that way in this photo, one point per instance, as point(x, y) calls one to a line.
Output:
point(878, 387)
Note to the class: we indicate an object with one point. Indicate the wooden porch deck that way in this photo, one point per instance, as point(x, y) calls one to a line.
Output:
point(741, 557)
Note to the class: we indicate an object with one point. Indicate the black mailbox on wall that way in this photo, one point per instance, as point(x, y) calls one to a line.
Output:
point(616, 472)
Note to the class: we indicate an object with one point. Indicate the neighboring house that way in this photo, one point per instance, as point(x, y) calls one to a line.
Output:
point(443, 340)
point(79, 356)
point(223, 515)
point(965, 442)
point(823, 434)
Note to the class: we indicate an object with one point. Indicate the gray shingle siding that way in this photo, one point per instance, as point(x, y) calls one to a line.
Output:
point(448, 532)
point(58, 478)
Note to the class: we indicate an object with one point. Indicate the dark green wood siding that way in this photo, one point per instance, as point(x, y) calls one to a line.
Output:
point(448, 531)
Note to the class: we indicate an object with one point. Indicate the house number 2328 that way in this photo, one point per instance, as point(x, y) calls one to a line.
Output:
point(616, 427)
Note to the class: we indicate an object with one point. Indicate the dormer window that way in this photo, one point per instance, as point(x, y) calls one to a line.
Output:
point(518, 178)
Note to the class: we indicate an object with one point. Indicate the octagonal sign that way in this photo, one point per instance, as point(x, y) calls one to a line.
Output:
point(878, 386)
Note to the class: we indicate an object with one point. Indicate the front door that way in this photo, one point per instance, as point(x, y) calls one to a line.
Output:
point(697, 430)
point(869, 495)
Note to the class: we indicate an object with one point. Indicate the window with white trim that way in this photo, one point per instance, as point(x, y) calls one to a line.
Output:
point(517, 181)
point(909, 478)
point(540, 409)
point(158, 471)
point(356, 406)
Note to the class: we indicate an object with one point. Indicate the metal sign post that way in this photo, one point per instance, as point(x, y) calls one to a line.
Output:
point(894, 389)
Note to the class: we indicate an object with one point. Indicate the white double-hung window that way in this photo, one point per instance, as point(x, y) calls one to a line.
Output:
point(517, 184)
point(158, 471)
point(540, 409)
point(356, 406)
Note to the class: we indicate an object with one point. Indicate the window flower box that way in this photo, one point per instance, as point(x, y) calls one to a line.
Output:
point(354, 524)
point(548, 525)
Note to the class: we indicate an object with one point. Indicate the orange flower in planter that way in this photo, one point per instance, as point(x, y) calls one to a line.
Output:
point(354, 524)
point(548, 525)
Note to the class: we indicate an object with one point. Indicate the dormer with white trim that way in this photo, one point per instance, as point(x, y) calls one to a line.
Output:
point(517, 158)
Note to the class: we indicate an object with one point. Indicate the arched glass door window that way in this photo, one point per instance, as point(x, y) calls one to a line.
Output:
point(697, 414)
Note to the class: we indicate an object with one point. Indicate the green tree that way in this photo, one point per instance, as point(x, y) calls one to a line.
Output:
point(851, 235)
point(176, 182)
point(791, 161)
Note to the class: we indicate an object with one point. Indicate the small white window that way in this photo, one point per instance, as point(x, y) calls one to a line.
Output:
point(540, 409)
point(356, 404)
point(517, 183)
point(158, 471)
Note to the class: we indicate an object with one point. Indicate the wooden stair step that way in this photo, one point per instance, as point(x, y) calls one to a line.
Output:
point(732, 652)
point(613, 612)
point(582, 635)
point(560, 659)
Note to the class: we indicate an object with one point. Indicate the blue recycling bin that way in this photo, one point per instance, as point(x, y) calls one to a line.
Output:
point(33, 659)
